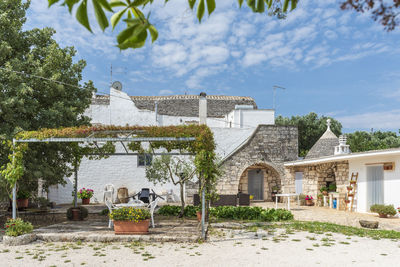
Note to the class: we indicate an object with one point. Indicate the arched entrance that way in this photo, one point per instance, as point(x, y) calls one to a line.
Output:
point(259, 180)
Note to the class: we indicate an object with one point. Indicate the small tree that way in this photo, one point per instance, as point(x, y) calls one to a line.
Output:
point(171, 169)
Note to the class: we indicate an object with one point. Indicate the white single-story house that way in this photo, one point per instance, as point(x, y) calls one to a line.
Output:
point(331, 161)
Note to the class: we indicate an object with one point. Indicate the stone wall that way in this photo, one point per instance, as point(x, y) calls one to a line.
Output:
point(316, 176)
point(270, 146)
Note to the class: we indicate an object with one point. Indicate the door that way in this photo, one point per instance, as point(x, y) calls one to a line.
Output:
point(374, 185)
point(256, 184)
point(299, 182)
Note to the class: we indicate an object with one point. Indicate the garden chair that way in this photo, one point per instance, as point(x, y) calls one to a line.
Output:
point(152, 206)
point(111, 207)
point(109, 192)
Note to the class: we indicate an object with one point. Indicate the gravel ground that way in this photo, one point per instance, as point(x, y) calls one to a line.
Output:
point(225, 248)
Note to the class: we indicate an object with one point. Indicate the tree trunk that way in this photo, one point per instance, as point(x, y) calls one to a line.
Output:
point(182, 200)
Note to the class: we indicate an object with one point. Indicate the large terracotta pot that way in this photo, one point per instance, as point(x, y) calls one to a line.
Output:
point(309, 202)
point(22, 203)
point(198, 214)
point(76, 214)
point(131, 228)
point(381, 215)
point(85, 201)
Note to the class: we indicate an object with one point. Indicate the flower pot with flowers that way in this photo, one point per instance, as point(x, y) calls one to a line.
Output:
point(309, 200)
point(23, 199)
point(130, 220)
point(85, 194)
point(383, 210)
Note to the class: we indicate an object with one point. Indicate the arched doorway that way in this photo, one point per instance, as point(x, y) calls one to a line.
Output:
point(259, 180)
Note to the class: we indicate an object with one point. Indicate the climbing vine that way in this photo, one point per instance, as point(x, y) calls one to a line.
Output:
point(203, 147)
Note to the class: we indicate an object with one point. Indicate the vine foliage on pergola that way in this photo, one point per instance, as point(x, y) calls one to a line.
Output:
point(202, 145)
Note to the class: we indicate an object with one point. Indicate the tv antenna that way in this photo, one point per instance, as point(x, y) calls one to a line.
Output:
point(274, 96)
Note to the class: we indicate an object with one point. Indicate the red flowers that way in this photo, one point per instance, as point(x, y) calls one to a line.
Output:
point(309, 197)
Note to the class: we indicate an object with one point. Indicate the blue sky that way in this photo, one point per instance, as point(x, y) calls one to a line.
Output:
point(332, 62)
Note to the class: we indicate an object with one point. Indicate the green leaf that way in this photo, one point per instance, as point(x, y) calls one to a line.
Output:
point(269, 3)
point(82, 16)
point(127, 33)
point(116, 3)
point(139, 2)
point(294, 4)
point(105, 4)
point(52, 2)
point(116, 17)
point(252, 4)
point(240, 3)
point(191, 3)
point(285, 5)
point(100, 16)
point(137, 40)
point(260, 6)
point(154, 33)
point(200, 10)
point(70, 4)
point(211, 6)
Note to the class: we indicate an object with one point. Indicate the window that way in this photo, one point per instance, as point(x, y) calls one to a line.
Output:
point(145, 159)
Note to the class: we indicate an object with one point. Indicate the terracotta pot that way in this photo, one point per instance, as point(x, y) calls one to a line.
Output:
point(76, 214)
point(131, 228)
point(198, 214)
point(85, 201)
point(353, 182)
point(309, 202)
point(381, 215)
point(325, 193)
point(22, 203)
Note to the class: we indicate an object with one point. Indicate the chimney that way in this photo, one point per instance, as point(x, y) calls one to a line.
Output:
point(342, 148)
point(203, 108)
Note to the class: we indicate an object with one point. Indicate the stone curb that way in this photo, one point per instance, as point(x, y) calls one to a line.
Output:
point(235, 225)
point(113, 238)
point(19, 240)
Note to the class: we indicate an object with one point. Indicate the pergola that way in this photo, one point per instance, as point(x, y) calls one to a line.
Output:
point(192, 139)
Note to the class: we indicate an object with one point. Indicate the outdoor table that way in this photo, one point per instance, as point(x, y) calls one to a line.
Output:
point(288, 199)
point(132, 204)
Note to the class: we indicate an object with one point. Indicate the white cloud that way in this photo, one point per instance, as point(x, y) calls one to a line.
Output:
point(165, 92)
point(377, 120)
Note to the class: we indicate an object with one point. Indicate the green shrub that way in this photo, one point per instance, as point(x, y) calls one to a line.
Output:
point(190, 211)
point(104, 212)
point(21, 194)
point(383, 209)
point(129, 214)
point(83, 212)
point(17, 227)
point(169, 210)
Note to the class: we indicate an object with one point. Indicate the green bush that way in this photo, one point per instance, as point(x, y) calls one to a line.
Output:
point(383, 209)
point(232, 213)
point(104, 212)
point(83, 212)
point(130, 214)
point(23, 194)
point(17, 227)
point(168, 210)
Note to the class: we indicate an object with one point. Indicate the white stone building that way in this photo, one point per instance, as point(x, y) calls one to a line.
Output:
point(233, 120)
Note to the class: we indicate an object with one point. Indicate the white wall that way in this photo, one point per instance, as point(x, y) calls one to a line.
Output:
point(121, 171)
point(391, 180)
point(246, 118)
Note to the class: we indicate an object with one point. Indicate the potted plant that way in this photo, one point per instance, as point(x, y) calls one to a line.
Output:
point(77, 214)
point(349, 188)
point(383, 210)
point(353, 182)
point(85, 194)
point(23, 198)
point(324, 190)
point(17, 227)
point(309, 200)
point(130, 220)
point(332, 187)
point(275, 190)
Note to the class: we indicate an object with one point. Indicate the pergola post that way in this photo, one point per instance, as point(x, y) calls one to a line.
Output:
point(76, 183)
point(14, 190)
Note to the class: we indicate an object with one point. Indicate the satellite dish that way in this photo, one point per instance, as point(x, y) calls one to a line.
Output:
point(117, 85)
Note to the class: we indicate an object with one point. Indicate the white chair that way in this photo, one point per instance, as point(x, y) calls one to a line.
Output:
point(152, 206)
point(109, 190)
point(110, 206)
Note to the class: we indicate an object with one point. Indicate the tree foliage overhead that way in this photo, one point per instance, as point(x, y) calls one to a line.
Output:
point(386, 12)
point(138, 26)
point(310, 128)
point(364, 141)
point(30, 103)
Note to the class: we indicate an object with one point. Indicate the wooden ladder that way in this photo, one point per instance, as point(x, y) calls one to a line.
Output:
point(351, 194)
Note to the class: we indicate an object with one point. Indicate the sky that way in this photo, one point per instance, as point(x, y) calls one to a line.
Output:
point(331, 62)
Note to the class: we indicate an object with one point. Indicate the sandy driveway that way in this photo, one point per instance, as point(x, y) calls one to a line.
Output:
point(236, 248)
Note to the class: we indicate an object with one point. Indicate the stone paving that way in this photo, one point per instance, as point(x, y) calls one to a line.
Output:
point(96, 230)
point(324, 214)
